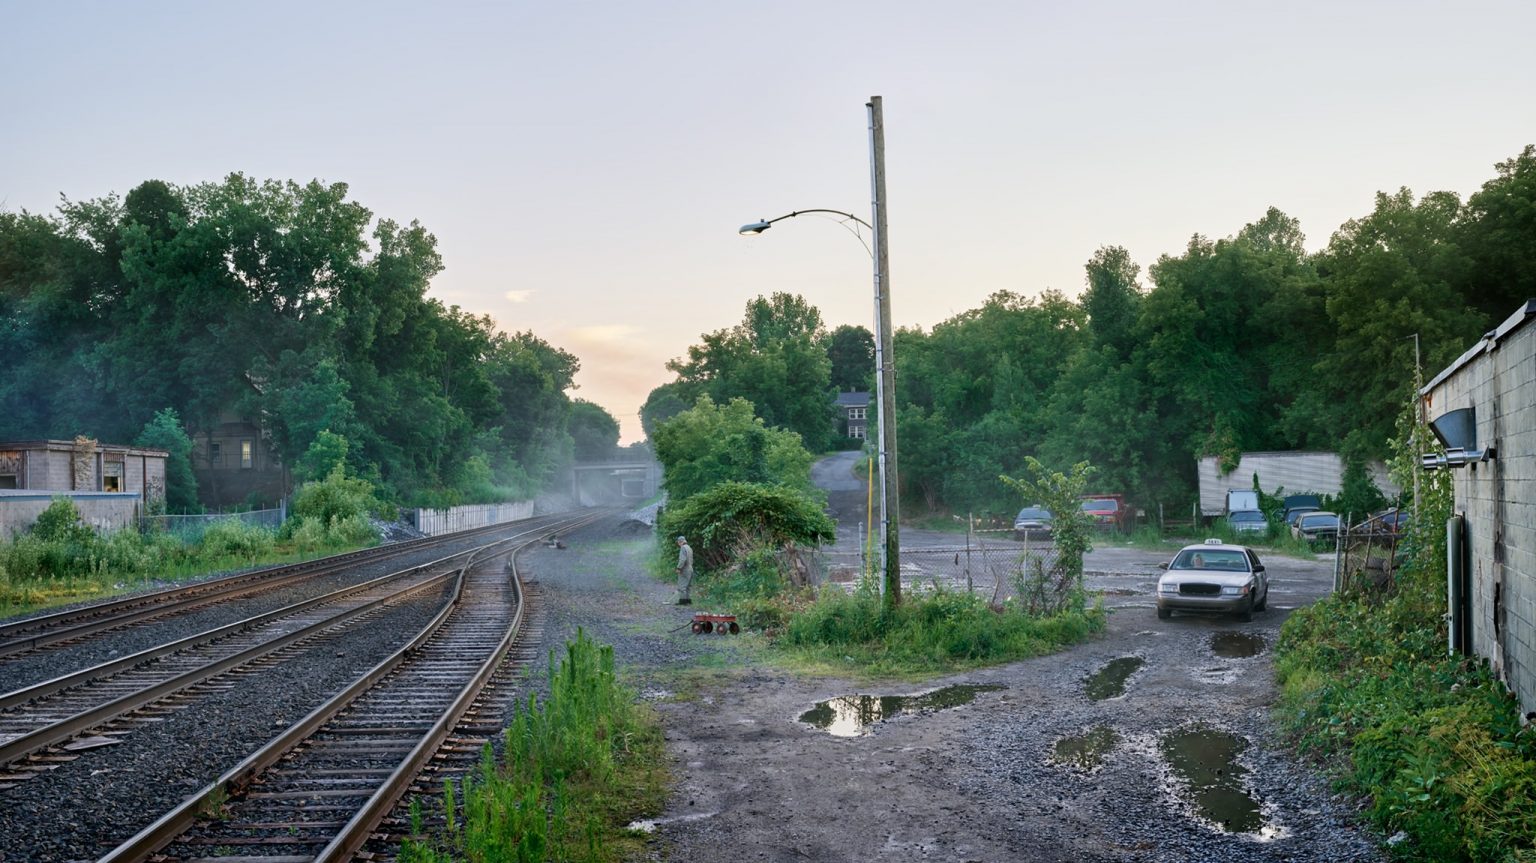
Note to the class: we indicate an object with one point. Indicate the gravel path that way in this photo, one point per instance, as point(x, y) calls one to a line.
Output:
point(977, 782)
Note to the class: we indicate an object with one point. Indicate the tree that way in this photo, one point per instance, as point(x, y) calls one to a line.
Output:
point(594, 431)
point(164, 431)
point(709, 444)
point(851, 351)
point(1495, 231)
point(774, 359)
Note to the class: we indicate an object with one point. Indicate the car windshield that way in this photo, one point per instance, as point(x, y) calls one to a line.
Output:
point(1219, 559)
point(1309, 522)
point(1031, 513)
point(1100, 506)
point(1247, 515)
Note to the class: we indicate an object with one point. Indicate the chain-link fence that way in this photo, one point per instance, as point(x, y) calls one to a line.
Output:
point(1367, 555)
point(190, 528)
point(995, 571)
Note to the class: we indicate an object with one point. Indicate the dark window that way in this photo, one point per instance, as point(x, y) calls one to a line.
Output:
point(8, 480)
point(215, 455)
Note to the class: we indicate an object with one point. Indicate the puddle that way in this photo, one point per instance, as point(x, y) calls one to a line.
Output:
point(856, 715)
point(1206, 759)
point(1109, 681)
point(1237, 645)
point(1085, 751)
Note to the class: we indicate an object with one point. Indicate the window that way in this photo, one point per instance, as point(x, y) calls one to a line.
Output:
point(247, 453)
point(111, 483)
point(857, 413)
point(856, 432)
point(8, 480)
point(215, 455)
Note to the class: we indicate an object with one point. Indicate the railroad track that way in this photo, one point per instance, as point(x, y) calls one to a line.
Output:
point(71, 626)
point(317, 791)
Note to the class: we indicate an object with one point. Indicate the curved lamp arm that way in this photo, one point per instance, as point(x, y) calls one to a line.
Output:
point(765, 224)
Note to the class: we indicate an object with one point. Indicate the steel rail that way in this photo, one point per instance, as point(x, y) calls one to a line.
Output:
point(238, 778)
point(111, 614)
point(64, 729)
point(112, 666)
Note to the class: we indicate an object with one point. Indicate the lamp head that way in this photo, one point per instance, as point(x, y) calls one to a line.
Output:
point(754, 228)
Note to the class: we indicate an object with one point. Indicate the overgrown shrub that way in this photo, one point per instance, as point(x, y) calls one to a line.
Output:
point(231, 537)
point(727, 521)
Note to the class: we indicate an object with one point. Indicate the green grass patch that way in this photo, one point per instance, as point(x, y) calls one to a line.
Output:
point(575, 770)
point(928, 633)
point(1432, 743)
point(62, 561)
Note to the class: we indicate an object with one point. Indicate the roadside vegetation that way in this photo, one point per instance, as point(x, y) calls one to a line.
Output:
point(575, 769)
point(1431, 742)
point(62, 559)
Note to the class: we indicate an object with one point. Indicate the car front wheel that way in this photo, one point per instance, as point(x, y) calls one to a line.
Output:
point(1246, 614)
point(1263, 603)
point(1164, 613)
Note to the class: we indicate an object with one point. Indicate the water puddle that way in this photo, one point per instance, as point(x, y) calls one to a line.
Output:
point(856, 715)
point(1237, 645)
point(1206, 759)
point(1085, 751)
point(1109, 681)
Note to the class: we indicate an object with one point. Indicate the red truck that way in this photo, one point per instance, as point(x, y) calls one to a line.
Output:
point(1108, 511)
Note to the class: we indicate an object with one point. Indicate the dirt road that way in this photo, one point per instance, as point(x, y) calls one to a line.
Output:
point(987, 780)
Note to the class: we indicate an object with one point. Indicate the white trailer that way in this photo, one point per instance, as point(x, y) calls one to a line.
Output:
point(1292, 472)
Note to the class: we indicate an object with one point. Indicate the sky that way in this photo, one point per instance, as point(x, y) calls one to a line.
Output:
point(585, 165)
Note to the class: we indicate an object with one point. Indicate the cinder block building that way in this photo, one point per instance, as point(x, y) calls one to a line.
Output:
point(110, 484)
point(1483, 409)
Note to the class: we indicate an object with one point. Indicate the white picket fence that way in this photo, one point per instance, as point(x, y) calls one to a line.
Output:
point(435, 521)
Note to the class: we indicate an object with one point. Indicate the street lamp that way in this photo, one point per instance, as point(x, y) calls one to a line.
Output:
point(885, 368)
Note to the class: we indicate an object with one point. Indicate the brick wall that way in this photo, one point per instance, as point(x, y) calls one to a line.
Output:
point(1498, 498)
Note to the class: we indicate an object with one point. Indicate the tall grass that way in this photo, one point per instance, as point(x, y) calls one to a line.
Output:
point(574, 770)
point(63, 561)
point(932, 632)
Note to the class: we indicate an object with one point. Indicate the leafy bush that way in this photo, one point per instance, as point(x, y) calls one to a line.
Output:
point(338, 496)
point(232, 537)
point(60, 522)
point(726, 522)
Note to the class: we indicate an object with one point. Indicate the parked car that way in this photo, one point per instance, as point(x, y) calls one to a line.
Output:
point(1392, 520)
point(1248, 521)
point(1294, 503)
point(1316, 526)
point(1213, 576)
point(1032, 522)
point(1291, 515)
point(1107, 511)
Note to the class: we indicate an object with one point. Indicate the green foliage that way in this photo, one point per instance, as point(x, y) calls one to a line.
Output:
point(282, 302)
point(1432, 742)
point(574, 770)
point(776, 359)
point(336, 497)
point(709, 444)
point(326, 453)
point(729, 520)
point(937, 631)
point(594, 431)
point(1061, 585)
point(60, 522)
point(164, 431)
point(232, 537)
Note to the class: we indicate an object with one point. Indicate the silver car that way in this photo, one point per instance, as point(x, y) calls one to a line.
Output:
point(1213, 576)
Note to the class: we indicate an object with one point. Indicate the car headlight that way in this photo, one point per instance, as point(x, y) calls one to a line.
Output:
point(1236, 591)
point(1167, 587)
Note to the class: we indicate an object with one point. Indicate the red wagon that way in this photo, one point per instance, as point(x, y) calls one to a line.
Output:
point(721, 623)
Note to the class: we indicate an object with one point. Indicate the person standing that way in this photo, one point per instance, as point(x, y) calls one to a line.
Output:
point(684, 570)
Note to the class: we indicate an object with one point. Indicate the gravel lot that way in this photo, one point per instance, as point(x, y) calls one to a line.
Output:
point(975, 782)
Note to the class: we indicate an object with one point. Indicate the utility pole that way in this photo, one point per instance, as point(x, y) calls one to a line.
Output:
point(885, 378)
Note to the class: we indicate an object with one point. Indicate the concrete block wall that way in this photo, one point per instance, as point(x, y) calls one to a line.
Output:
point(104, 511)
point(1498, 498)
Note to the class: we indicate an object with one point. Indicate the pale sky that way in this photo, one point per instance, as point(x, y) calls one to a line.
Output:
point(585, 165)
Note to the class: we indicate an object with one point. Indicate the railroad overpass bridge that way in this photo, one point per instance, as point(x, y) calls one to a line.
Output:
point(624, 478)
